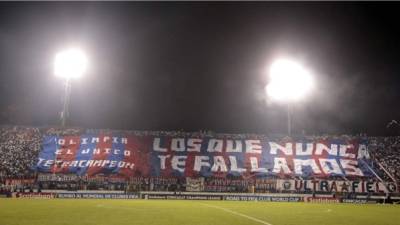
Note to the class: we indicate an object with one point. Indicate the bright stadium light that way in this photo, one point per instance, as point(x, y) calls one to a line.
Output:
point(289, 82)
point(68, 64)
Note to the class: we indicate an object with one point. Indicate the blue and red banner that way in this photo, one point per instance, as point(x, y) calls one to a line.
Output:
point(169, 156)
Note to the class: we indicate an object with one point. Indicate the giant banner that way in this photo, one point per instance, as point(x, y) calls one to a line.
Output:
point(168, 156)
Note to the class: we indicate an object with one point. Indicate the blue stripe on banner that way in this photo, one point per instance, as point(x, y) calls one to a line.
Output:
point(266, 159)
point(49, 147)
point(85, 152)
point(155, 166)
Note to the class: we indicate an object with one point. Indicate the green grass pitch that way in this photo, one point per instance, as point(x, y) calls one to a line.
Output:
point(177, 212)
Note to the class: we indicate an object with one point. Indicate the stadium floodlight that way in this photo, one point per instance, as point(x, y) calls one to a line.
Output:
point(289, 82)
point(68, 64)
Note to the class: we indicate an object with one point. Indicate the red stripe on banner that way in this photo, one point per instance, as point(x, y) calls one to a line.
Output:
point(220, 174)
point(247, 162)
point(144, 158)
point(100, 154)
point(132, 147)
point(324, 155)
point(288, 158)
point(189, 172)
point(139, 157)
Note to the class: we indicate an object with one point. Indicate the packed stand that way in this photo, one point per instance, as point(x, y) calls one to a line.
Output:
point(19, 148)
point(386, 151)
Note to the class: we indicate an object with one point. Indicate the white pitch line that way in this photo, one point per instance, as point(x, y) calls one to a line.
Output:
point(237, 213)
point(115, 207)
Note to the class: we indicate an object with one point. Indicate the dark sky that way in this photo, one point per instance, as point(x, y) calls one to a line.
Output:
point(192, 66)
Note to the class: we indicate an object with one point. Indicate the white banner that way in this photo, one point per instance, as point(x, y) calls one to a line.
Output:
point(194, 184)
point(335, 186)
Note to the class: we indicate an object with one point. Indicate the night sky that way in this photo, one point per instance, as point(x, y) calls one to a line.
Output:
point(202, 66)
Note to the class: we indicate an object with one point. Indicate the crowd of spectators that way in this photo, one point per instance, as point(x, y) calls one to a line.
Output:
point(229, 185)
point(19, 148)
point(101, 182)
point(386, 152)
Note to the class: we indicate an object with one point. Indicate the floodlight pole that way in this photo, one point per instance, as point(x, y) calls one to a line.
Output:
point(289, 120)
point(67, 92)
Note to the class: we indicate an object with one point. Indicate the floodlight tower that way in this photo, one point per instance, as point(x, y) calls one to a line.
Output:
point(69, 64)
point(289, 82)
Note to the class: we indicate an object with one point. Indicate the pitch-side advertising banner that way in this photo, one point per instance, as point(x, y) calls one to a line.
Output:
point(357, 186)
point(192, 157)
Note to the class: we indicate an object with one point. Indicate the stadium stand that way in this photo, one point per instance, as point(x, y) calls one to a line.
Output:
point(20, 146)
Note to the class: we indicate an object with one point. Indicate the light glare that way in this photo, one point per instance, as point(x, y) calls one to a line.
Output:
point(289, 81)
point(71, 63)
